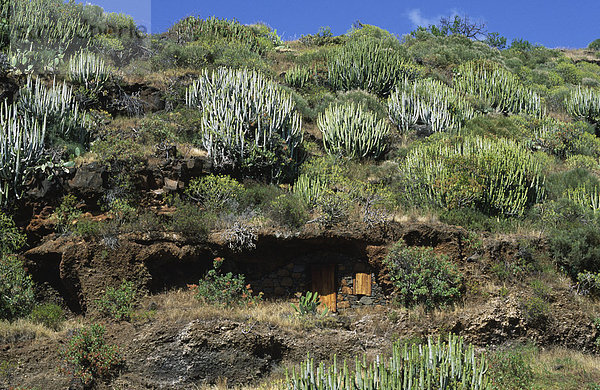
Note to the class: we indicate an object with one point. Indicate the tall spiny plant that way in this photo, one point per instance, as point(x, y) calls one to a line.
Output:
point(369, 65)
point(498, 87)
point(88, 70)
point(21, 145)
point(438, 364)
point(249, 124)
point(352, 131)
point(429, 102)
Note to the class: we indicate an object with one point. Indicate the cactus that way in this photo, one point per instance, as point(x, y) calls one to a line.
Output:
point(367, 64)
point(298, 76)
point(428, 102)
point(497, 176)
point(584, 103)
point(57, 106)
point(247, 120)
point(498, 87)
point(435, 365)
point(585, 197)
point(88, 70)
point(349, 130)
point(21, 145)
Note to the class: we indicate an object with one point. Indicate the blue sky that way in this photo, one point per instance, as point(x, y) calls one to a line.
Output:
point(551, 23)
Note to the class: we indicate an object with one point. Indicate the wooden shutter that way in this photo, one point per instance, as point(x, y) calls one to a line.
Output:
point(362, 284)
point(323, 282)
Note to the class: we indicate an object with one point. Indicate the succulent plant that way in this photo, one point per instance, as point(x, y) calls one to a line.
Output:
point(88, 70)
point(367, 64)
point(248, 121)
point(584, 103)
point(299, 76)
point(498, 87)
point(428, 102)
point(438, 364)
point(350, 130)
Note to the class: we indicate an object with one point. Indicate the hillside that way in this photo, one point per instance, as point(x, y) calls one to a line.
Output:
point(171, 204)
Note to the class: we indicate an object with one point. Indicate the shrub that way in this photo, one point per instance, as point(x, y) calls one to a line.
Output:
point(369, 65)
point(289, 210)
point(423, 277)
point(576, 249)
point(536, 311)
point(588, 283)
point(16, 289)
point(594, 45)
point(50, 315)
point(250, 125)
point(67, 214)
point(189, 220)
point(494, 176)
point(224, 289)
point(558, 138)
point(11, 239)
point(511, 369)
point(117, 303)
point(216, 193)
point(87, 356)
point(351, 131)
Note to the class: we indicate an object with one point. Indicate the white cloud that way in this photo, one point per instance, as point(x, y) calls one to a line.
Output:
point(417, 19)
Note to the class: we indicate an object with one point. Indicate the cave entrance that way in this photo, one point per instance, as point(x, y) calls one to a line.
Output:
point(323, 282)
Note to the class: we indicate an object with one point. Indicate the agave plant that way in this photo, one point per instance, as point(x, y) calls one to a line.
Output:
point(450, 364)
point(88, 70)
point(498, 87)
point(429, 102)
point(21, 145)
point(495, 176)
point(248, 121)
point(367, 64)
point(584, 103)
point(352, 131)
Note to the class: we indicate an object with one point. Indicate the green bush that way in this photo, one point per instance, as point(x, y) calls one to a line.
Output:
point(536, 311)
point(224, 289)
point(510, 368)
point(88, 357)
point(16, 289)
point(216, 193)
point(67, 214)
point(50, 315)
point(117, 303)
point(423, 277)
point(11, 239)
point(594, 45)
point(351, 131)
point(190, 220)
point(289, 210)
point(576, 249)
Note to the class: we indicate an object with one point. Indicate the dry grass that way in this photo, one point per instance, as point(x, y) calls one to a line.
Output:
point(23, 330)
point(180, 305)
point(563, 369)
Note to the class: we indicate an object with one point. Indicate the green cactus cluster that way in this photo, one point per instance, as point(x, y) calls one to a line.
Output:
point(192, 28)
point(450, 364)
point(584, 103)
point(369, 65)
point(21, 144)
point(495, 176)
point(57, 106)
point(352, 131)
point(299, 76)
point(498, 87)
point(588, 198)
point(311, 188)
point(88, 70)
point(428, 102)
point(247, 119)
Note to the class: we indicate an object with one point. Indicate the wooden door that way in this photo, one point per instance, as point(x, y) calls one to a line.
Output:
point(362, 284)
point(323, 282)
